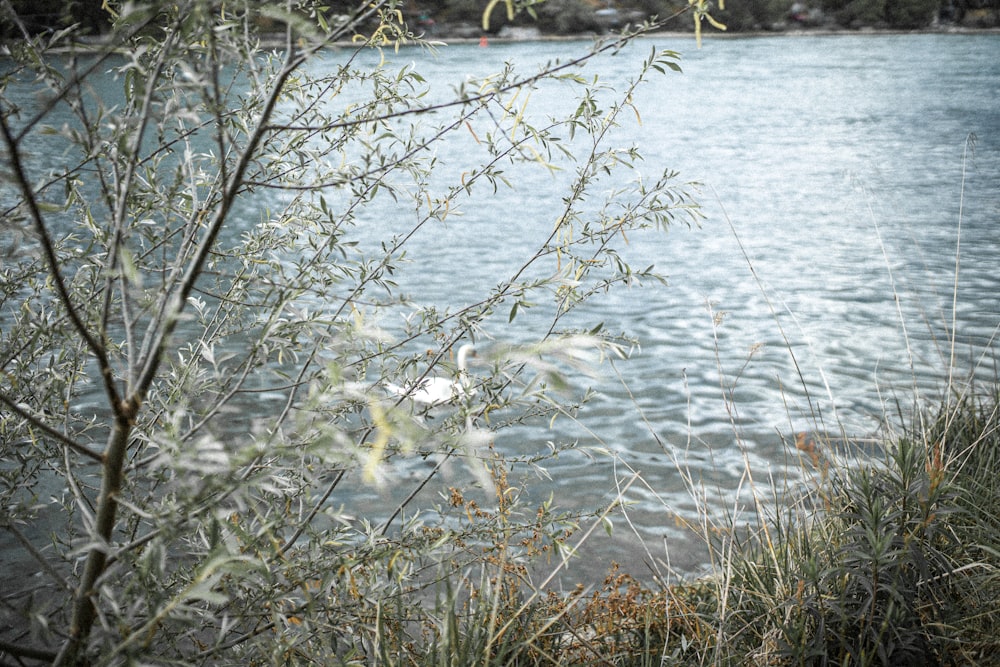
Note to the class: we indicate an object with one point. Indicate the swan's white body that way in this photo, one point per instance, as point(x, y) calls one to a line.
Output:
point(435, 391)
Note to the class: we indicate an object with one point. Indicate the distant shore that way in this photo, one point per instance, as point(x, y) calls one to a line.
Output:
point(710, 33)
point(527, 34)
point(522, 34)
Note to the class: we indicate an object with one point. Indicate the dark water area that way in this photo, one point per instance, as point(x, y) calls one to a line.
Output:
point(847, 260)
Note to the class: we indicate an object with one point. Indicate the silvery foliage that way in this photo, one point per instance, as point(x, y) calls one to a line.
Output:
point(199, 314)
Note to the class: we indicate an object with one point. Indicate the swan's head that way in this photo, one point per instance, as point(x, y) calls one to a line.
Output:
point(466, 352)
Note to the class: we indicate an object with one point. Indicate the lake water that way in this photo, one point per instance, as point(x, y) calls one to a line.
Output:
point(837, 173)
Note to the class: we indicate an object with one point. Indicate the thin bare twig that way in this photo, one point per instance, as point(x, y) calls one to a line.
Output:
point(36, 420)
point(42, 561)
point(48, 248)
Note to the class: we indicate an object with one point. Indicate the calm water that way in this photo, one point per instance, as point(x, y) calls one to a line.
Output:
point(817, 290)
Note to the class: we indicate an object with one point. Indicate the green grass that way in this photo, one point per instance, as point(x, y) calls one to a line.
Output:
point(895, 562)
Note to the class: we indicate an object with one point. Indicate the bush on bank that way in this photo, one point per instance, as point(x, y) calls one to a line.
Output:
point(890, 560)
point(895, 564)
point(213, 448)
point(171, 539)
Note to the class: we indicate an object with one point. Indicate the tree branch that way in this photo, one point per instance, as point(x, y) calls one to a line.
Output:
point(195, 266)
point(123, 186)
point(21, 180)
point(39, 558)
point(23, 411)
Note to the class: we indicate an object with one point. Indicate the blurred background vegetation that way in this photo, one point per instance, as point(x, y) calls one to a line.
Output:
point(462, 18)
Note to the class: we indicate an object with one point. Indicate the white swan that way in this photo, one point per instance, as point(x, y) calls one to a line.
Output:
point(436, 391)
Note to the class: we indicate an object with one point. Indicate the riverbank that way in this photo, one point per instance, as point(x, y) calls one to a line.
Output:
point(468, 33)
point(531, 35)
point(523, 34)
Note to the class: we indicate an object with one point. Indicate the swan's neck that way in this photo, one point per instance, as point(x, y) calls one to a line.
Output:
point(463, 358)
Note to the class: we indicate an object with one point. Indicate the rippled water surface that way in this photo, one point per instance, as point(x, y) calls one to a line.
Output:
point(845, 180)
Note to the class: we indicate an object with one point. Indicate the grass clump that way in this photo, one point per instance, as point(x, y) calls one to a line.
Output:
point(890, 560)
point(896, 563)
point(499, 620)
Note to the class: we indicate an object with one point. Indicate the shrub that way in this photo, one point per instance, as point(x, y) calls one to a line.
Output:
point(895, 565)
point(195, 375)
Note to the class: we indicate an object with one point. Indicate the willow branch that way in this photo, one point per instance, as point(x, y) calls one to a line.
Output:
point(85, 609)
point(48, 248)
point(195, 266)
point(39, 558)
point(22, 411)
point(548, 72)
point(124, 186)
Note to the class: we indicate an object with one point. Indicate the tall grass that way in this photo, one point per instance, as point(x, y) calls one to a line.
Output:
point(889, 555)
point(889, 562)
point(898, 567)
point(894, 562)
